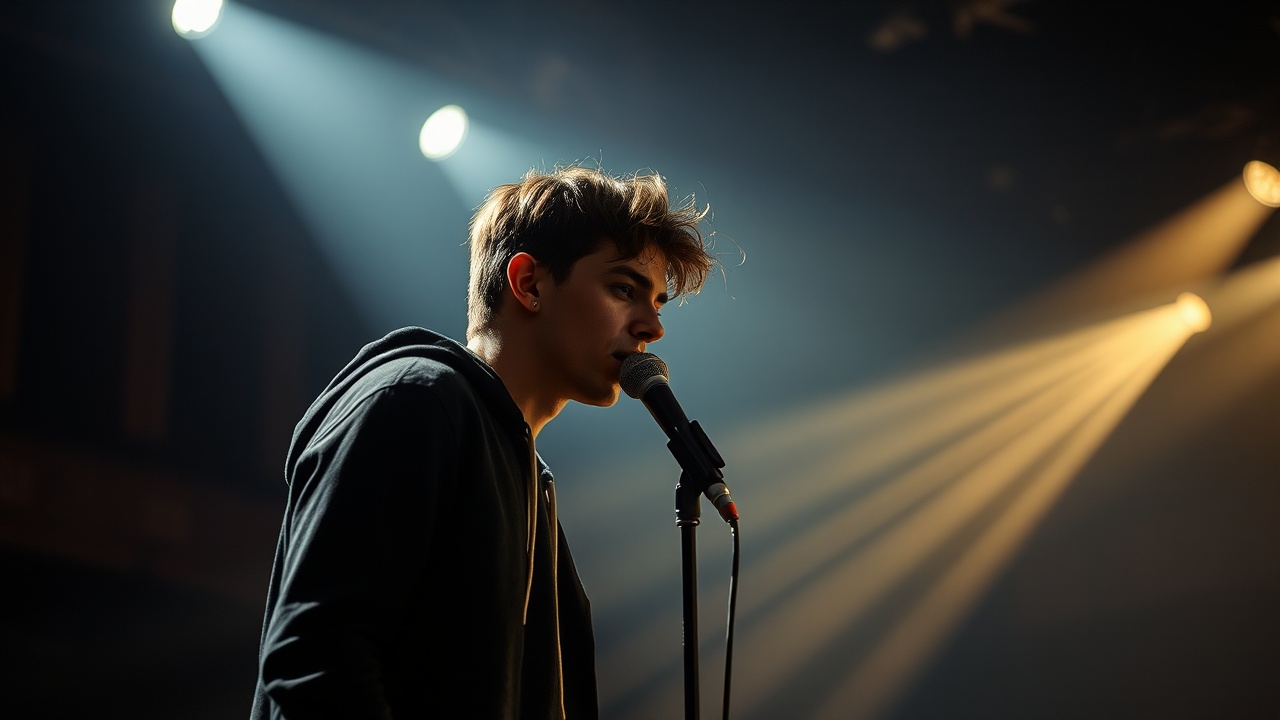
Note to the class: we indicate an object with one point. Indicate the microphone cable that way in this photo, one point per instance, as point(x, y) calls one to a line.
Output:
point(733, 605)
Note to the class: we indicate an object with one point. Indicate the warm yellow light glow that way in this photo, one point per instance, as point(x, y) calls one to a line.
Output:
point(898, 481)
point(1263, 182)
point(195, 18)
point(1194, 312)
point(913, 639)
point(956, 487)
point(443, 132)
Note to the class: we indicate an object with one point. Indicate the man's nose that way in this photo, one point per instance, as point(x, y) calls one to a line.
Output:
point(648, 327)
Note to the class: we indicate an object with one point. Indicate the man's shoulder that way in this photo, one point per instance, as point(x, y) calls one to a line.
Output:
point(408, 392)
point(416, 373)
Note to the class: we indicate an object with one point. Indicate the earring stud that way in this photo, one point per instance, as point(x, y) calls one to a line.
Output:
point(534, 303)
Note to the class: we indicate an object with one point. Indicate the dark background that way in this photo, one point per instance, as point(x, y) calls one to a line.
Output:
point(895, 175)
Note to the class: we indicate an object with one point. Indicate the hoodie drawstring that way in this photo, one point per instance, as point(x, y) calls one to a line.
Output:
point(553, 524)
point(532, 520)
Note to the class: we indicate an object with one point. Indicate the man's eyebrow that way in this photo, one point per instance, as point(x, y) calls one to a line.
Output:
point(639, 278)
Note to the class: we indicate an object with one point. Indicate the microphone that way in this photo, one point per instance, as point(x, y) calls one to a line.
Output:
point(644, 377)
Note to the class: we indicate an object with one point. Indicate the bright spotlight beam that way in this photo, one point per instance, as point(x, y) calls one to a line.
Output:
point(919, 528)
point(443, 132)
point(817, 428)
point(329, 119)
point(195, 18)
point(1263, 183)
point(912, 640)
point(824, 606)
point(1242, 358)
point(1194, 312)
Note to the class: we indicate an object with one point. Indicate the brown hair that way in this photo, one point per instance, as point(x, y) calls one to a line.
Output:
point(563, 215)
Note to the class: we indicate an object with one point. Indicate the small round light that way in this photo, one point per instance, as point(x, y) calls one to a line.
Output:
point(1194, 312)
point(443, 132)
point(1263, 182)
point(196, 18)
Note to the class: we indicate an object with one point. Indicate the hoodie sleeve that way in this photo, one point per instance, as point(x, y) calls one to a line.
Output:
point(363, 504)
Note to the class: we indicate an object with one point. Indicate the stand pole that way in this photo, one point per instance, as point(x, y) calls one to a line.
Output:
point(688, 512)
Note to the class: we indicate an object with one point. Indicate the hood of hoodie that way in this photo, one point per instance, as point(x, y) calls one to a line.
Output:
point(409, 342)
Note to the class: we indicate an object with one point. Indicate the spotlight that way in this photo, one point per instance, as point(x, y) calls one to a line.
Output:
point(1194, 312)
point(443, 132)
point(196, 18)
point(1263, 182)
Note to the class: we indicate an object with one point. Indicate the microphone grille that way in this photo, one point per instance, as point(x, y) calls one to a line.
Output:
point(639, 370)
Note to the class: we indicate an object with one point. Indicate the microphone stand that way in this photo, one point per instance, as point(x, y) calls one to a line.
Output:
point(688, 513)
point(700, 464)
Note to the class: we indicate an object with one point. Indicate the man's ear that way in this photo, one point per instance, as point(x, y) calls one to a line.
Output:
point(524, 275)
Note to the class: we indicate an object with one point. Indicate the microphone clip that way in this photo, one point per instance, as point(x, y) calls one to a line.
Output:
point(701, 463)
point(696, 455)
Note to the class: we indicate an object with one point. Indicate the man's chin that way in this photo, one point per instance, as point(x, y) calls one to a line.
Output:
point(606, 399)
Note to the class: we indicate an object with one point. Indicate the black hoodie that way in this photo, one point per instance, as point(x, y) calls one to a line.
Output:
point(405, 584)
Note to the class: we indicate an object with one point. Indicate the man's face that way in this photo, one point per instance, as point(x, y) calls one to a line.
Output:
point(606, 309)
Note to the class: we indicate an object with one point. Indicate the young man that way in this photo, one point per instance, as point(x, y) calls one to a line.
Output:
point(421, 571)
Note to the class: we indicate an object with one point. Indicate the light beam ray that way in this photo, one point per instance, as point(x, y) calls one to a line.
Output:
point(835, 420)
point(783, 569)
point(337, 125)
point(876, 450)
point(914, 639)
point(800, 628)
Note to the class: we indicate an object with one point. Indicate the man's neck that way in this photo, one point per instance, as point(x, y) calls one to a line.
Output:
point(520, 378)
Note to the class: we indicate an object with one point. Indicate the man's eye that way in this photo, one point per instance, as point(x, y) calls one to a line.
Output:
point(624, 290)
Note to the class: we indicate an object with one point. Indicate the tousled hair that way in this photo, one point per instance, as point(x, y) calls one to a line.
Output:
point(559, 217)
